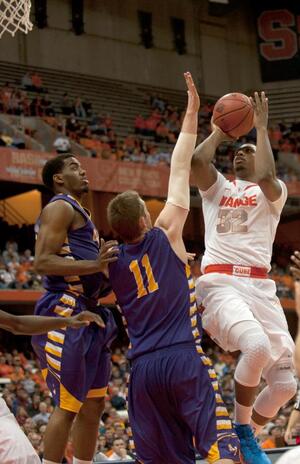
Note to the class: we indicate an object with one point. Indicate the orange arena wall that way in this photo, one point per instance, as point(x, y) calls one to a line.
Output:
point(105, 176)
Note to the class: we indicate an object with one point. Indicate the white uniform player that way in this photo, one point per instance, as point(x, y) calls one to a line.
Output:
point(240, 226)
point(15, 448)
point(241, 309)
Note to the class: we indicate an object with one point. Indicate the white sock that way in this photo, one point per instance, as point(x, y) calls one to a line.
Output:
point(256, 427)
point(81, 461)
point(242, 414)
point(45, 461)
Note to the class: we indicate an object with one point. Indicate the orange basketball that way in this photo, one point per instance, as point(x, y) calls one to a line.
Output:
point(233, 113)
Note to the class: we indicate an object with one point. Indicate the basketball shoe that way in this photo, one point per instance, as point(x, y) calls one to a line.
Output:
point(250, 449)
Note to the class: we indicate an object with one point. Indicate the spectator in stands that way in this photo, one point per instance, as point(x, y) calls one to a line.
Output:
point(29, 426)
point(33, 408)
point(119, 451)
point(28, 383)
point(36, 108)
point(5, 369)
point(37, 83)
point(47, 106)
point(26, 81)
point(107, 121)
point(88, 107)
point(42, 418)
point(275, 440)
point(28, 258)
point(139, 125)
point(62, 145)
point(97, 125)
point(79, 108)
point(6, 278)
point(66, 104)
point(5, 96)
point(157, 102)
point(72, 125)
point(9, 254)
point(116, 399)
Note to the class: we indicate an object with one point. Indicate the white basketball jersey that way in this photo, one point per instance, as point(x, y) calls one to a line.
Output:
point(240, 223)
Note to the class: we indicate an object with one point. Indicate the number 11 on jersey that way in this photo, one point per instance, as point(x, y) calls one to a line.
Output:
point(136, 270)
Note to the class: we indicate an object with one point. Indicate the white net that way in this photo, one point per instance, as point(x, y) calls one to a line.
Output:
point(15, 16)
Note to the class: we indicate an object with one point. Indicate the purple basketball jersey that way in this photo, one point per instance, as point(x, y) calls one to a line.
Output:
point(155, 291)
point(82, 243)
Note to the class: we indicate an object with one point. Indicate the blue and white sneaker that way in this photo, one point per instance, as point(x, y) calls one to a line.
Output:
point(250, 450)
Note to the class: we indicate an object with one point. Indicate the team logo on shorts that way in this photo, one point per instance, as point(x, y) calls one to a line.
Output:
point(233, 449)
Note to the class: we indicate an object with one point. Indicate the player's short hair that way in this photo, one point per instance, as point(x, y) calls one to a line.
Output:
point(123, 214)
point(244, 145)
point(53, 166)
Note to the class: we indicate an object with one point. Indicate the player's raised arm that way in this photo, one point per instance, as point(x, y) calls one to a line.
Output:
point(174, 214)
point(265, 170)
point(56, 220)
point(34, 325)
point(205, 173)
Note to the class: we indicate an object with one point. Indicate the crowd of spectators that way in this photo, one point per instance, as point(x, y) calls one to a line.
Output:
point(23, 388)
point(154, 133)
point(16, 269)
point(25, 392)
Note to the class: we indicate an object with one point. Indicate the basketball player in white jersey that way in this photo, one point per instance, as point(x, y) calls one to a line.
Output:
point(15, 448)
point(242, 311)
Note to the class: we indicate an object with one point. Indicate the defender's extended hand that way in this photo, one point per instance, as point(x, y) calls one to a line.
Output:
point(193, 97)
point(108, 254)
point(84, 319)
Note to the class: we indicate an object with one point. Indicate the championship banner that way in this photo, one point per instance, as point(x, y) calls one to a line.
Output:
point(278, 34)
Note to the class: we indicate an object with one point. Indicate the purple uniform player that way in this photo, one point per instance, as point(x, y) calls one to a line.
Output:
point(75, 363)
point(174, 400)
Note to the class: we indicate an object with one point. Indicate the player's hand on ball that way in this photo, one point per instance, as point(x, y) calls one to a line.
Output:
point(108, 254)
point(193, 97)
point(295, 268)
point(261, 110)
point(222, 136)
point(83, 319)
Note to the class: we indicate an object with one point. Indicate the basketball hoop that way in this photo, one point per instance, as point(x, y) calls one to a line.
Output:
point(15, 16)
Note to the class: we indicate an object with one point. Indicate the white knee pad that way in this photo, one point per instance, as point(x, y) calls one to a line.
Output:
point(282, 386)
point(281, 381)
point(256, 353)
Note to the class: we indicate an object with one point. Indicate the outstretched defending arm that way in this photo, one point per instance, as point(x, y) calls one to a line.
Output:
point(34, 325)
point(174, 214)
point(264, 160)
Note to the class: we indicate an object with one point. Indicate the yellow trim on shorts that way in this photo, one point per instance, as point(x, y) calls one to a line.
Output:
point(68, 300)
point(63, 312)
point(67, 401)
point(97, 392)
point(53, 350)
point(45, 373)
point(213, 453)
point(224, 425)
point(192, 297)
point(53, 362)
point(56, 337)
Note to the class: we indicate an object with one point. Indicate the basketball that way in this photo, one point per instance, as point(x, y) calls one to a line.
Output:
point(233, 113)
